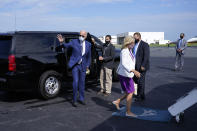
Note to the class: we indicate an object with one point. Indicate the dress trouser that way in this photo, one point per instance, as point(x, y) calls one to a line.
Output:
point(141, 85)
point(106, 79)
point(179, 61)
point(78, 82)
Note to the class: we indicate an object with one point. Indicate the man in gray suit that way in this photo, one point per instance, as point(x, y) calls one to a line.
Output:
point(181, 45)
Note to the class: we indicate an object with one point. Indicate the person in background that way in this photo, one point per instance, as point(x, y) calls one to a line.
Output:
point(107, 59)
point(126, 71)
point(181, 45)
point(141, 51)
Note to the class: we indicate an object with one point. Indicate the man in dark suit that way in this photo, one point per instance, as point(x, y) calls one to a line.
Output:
point(79, 62)
point(142, 54)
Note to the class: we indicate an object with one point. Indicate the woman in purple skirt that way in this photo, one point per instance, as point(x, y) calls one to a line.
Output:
point(126, 71)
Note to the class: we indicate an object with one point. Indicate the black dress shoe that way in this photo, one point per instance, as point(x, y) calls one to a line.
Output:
point(181, 70)
point(106, 94)
point(139, 98)
point(134, 96)
point(74, 104)
point(100, 92)
point(143, 97)
point(82, 102)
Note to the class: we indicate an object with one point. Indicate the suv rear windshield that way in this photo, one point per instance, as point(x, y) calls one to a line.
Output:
point(5, 44)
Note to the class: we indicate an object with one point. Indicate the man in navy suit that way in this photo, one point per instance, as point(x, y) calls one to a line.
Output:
point(79, 62)
point(141, 51)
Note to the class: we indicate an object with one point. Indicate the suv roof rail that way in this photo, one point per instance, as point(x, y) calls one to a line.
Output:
point(37, 32)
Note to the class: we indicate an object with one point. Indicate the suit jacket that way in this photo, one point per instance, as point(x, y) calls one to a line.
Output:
point(76, 55)
point(183, 46)
point(127, 63)
point(142, 56)
point(108, 53)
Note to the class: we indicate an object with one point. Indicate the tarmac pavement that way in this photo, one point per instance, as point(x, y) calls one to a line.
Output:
point(25, 111)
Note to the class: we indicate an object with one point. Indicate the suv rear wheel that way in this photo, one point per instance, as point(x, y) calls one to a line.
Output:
point(49, 84)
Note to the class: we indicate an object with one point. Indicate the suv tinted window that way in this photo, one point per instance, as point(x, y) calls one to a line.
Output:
point(5, 44)
point(67, 38)
point(34, 43)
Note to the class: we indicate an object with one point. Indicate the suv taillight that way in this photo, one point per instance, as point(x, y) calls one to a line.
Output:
point(12, 63)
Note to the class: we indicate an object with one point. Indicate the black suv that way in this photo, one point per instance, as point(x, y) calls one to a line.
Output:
point(31, 60)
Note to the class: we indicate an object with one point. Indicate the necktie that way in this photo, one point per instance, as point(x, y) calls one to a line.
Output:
point(180, 42)
point(134, 49)
point(81, 46)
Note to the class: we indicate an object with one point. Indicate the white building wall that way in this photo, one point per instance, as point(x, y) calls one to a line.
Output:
point(102, 38)
point(149, 37)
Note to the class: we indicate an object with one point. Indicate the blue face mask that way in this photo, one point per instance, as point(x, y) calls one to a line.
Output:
point(81, 38)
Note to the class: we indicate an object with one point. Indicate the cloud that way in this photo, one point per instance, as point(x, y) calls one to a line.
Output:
point(34, 7)
point(171, 23)
point(53, 3)
point(33, 14)
point(39, 15)
point(173, 3)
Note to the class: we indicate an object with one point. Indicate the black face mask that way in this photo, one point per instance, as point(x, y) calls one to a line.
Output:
point(181, 37)
point(107, 42)
point(137, 40)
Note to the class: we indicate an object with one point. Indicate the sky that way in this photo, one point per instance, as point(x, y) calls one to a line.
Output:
point(101, 17)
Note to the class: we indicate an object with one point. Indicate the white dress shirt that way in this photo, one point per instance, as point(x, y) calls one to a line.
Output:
point(137, 45)
point(83, 50)
point(83, 46)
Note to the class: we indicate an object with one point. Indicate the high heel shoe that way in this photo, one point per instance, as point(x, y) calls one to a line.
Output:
point(131, 115)
point(115, 104)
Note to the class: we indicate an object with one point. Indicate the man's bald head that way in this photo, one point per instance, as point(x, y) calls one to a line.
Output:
point(83, 33)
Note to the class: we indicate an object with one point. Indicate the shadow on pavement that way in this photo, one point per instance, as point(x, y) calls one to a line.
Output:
point(159, 98)
point(166, 68)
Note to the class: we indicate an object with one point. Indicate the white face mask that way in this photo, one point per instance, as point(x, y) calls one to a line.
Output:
point(81, 38)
